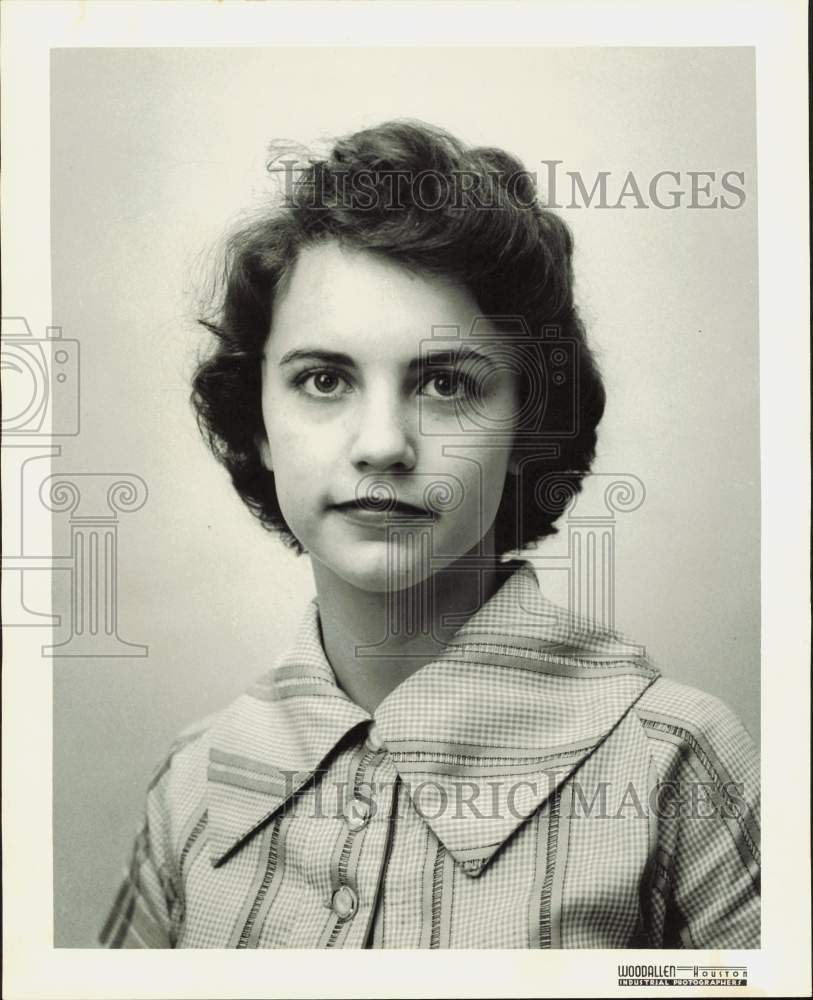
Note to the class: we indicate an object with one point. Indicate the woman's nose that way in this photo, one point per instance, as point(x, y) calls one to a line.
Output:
point(383, 438)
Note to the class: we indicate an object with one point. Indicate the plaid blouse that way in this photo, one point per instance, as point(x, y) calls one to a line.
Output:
point(539, 785)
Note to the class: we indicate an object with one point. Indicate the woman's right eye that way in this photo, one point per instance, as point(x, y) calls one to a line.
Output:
point(323, 384)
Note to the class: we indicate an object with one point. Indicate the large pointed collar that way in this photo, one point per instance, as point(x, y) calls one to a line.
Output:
point(270, 741)
point(480, 737)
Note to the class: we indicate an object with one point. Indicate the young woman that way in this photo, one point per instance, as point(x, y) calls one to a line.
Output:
point(444, 759)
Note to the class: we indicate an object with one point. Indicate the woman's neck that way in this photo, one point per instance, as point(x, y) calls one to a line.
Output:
point(376, 640)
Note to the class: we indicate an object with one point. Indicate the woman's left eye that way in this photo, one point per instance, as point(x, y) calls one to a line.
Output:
point(323, 383)
point(446, 385)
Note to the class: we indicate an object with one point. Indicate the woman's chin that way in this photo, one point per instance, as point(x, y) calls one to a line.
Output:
point(378, 568)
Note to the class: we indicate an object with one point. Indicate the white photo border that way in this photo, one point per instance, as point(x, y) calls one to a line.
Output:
point(776, 29)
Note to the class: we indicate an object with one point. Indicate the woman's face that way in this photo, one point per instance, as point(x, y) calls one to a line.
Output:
point(376, 474)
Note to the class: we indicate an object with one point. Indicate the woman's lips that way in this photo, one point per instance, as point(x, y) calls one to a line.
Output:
point(380, 516)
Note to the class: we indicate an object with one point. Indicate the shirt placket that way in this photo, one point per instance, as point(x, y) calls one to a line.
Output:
point(360, 854)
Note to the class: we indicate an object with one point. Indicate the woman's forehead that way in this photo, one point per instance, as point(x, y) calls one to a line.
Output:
point(360, 303)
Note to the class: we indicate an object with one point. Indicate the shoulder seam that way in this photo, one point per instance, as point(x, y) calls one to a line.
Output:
point(183, 740)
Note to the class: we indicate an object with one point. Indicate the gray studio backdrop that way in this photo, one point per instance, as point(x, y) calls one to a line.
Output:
point(153, 152)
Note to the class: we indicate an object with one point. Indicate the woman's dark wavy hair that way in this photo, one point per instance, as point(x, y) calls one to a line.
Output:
point(474, 217)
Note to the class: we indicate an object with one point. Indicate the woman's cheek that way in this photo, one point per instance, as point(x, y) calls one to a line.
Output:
point(296, 503)
point(295, 442)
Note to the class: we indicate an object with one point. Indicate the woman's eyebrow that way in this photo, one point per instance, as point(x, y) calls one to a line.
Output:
point(452, 356)
point(433, 356)
point(314, 354)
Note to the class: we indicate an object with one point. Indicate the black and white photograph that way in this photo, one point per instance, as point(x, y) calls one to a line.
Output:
point(386, 518)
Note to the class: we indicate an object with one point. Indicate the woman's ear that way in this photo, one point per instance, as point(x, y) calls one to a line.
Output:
point(264, 448)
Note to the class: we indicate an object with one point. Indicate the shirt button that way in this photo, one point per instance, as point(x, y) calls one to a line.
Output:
point(345, 902)
point(373, 737)
point(356, 813)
